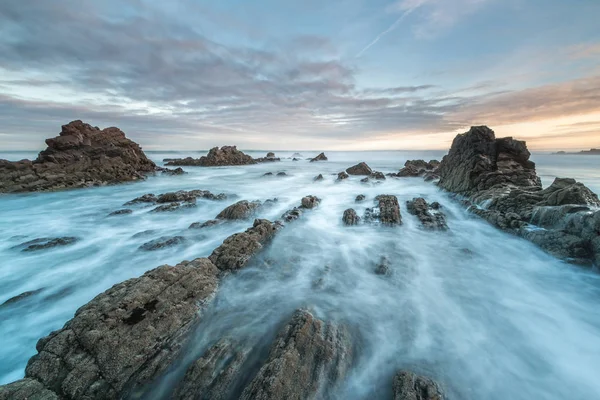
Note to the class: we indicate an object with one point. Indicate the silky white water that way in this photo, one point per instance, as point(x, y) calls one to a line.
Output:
point(488, 315)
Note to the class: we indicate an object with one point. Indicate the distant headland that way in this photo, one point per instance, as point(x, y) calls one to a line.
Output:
point(590, 152)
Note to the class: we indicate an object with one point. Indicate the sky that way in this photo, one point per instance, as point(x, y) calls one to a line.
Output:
point(302, 74)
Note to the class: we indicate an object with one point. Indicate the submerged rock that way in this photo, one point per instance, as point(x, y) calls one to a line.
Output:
point(20, 297)
point(243, 209)
point(383, 267)
point(206, 224)
point(409, 386)
point(281, 174)
point(350, 217)
point(377, 176)
point(429, 215)
point(173, 172)
point(216, 157)
point(320, 157)
point(190, 195)
point(268, 174)
point(307, 203)
point(238, 249)
point(46, 243)
point(360, 198)
point(169, 207)
point(342, 175)
point(81, 156)
point(307, 360)
point(126, 336)
point(359, 169)
point(124, 211)
point(162, 242)
point(318, 178)
point(147, 198)
point(500, 181)
point(310, 202)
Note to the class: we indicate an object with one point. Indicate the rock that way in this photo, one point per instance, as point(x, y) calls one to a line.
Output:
point(81, 156)
point(377, 176)
point(268, 174)
point(360, 198)
point(342, 175)
point(365, 180)
point(162, 242)
point(26, 389)
point(292, 215)
point(307, 360)
point(216, 157)
point(206, 224)
point(497, 178)
point(350, 217)
point(173, 172)
point(415, 168)
point(298, 155)
point(20, 297)
point(238, 249)
point(243, 209)
point(266, 159)
point(389, 210)
point(170, 207)
point(429, 216)
point(147, 198)
point(189, 196)
point(383, 268)
point(359, 169)
point(320, 157)
point(46, 243)
point(121, 212)
point(281, 174)
point(409, 386)
point(270, 155)
point(125, 337)
point(318, 178)
point(310, 202)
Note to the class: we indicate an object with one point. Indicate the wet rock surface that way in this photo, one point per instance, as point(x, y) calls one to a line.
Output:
point(307, 360)
point(46, 243)
point(26, 389)
point(162, 242)
point(173, 172)
point(501, 185)
point(409, 386)
point(387, 211)
point(310, 202)
point(81, 156)
point(176, 206)
point(350, 217)
point(243, 209)
point(415, 168)
point(360, 198)
point(360, 169)
point(320, 157)
point(429, 215)
point(307, 203)
point(125, 336)
point(342, 175)
point(206, 224)
point(179, 196)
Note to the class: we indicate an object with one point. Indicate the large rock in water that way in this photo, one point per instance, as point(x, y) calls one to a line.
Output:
point(497, 176)
point(429, 215)
point(360, 169)
point(216, 157)
point(409, 386)
point(125, 336)
point(320, 157)
point(81, 156)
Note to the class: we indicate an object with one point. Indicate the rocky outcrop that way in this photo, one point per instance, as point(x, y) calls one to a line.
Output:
point(270, 155)
point(238, 249)
point(46, 243)
point(350, 217)
point(216, 157)
point(125, 336)
point(162, 243)
point(415, 168)
point(429, 215)
point(342, 175)
point(81, 156)
point(383, 267)
point(310, 202)
point(179, 196)
point(307, 360)
point(173, 172)
point(360, 169)
point(409, 386)
point(376, 175)
point(26, 389)
point(387, 211)
point(320, 157)
point(500, 182)
point(243, 209)
point(206, 224)
point(307, 203)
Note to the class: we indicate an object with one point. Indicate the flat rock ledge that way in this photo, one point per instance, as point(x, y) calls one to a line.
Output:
point(497, 179)
point(429, 215)
point(386, 211)
point(81, 156)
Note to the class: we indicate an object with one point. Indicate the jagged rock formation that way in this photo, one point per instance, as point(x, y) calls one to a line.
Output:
point(429, 215)
point(81, 156)
point(360, 169)
point(350, 217)
point(125, 336)
point(219, 157)
point(497, 176)
point(320, 157)
point(241, 210)
point(307, 203)
point(409, 386)
point(387, 211)
point(414, 168)
point(173, 172)
point(46, 243)
point(342, 175)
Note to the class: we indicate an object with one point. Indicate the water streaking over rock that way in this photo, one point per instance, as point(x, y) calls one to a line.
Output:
point(374, 310)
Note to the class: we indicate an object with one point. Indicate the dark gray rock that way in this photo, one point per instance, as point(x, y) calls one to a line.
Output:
point(243, 209)
point(409, 386)
point(350, 217)
point(173, 172)
point(383, 267)
point(415, 168)
point(124, 211)
point(365, 180)
point(360, 198)
point(19, 297)
point(216, 157)
point(268, 174)
point(307, 360)
point(238, 249)
point(206, 224)
point(270, 155)
point(342, 175)
point(177, 206)
point(318, 178)
point(389, 210)
point(320, 157)
point(431, 218)
point(147, 198)
point(46, 243)
point(26, 389)
point(281, 174)
point(359, 169)
point(377, 176)
point(162, 242)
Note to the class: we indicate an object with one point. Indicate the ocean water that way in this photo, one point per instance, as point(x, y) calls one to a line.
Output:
point(488, 315)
